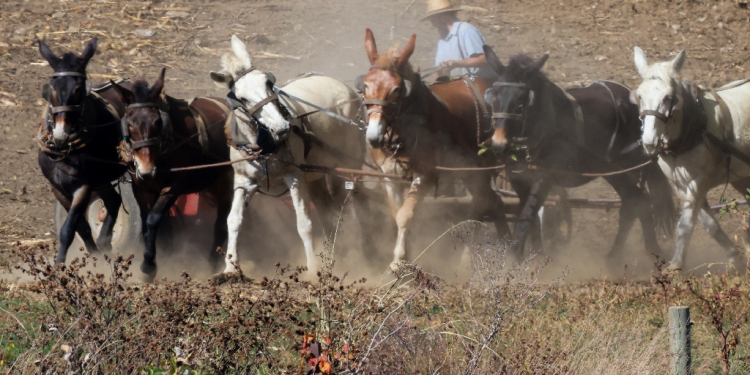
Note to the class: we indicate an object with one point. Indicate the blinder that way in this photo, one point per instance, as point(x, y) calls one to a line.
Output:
point(124, 127)
point(359, 83)
point(513, 116)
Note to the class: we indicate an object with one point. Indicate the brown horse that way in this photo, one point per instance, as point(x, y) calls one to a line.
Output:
point(156, 141)
point(416, 127)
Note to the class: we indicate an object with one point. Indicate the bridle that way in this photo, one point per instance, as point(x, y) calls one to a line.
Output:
point(53, 110)
point(675, 105)
point(395, 107)
point(235, 103)
point(135, 145)
point(685, 140)
point(521, 141)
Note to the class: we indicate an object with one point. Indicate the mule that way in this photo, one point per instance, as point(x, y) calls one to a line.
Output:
point(78, 140)
point(678, 121)
point(156, 141)
point(417, 128)
point(288, 133)
point(537, 123)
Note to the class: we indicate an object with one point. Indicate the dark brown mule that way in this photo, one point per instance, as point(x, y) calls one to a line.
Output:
point(423, 127)
point(536, 122)
point(78, 146)
point(155, 151)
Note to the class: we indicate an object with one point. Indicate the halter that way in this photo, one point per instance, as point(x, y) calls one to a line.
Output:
point(135, 145)
point(386, 103)
point(264, 134)
point(690, 135)
point(53, 110)
point(507, 115)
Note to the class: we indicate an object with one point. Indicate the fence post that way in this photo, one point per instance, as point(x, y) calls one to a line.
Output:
point(679, 329)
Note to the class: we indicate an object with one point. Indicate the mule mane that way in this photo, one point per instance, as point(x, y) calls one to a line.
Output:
point(387, 61)
point(141, 91)
point(518, 64)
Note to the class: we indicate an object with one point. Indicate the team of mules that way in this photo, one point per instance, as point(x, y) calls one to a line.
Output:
point(642, 141)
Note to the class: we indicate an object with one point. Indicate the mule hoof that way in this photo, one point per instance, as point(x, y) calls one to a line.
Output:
point(397, 266)
point(148, 268)
point(739, 263)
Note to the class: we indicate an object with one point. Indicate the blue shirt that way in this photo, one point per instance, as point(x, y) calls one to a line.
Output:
point(463, 42)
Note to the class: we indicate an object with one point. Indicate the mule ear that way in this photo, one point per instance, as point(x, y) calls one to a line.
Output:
point(493, 60)
point(158, 86)
point(224, 79)
point(634, 97)
point(88, 53)
point(47, 54)
point(406, 53)
point(641, 62)
point(371, 47)
point(679, 61)
point(536, 66)
point(126, 96)
point(240, 50)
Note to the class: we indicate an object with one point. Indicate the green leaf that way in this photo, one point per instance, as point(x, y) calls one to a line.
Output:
point(513, 156)
point(481, 151)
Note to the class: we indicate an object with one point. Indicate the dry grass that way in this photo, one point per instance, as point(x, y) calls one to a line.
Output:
point(503, 320)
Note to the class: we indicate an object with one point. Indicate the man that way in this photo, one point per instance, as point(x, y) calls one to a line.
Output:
point(459, 50)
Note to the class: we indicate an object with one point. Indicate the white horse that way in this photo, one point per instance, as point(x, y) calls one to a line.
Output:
point(266, 119)
point(676, 129)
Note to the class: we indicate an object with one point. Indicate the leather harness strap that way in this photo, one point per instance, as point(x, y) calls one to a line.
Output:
point(477, 95)
point(578, 114)
point(726, 117)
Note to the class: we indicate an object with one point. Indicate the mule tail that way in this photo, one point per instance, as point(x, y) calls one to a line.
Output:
point(661, 196)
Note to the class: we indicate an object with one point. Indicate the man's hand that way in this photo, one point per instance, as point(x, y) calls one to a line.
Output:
point(450, 64)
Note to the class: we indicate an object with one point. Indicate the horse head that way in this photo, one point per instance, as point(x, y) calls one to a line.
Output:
point(512, 96)
point(251, 93)
point(387, 83)
point(66, 92)
point(142, 123)
point(656, 97)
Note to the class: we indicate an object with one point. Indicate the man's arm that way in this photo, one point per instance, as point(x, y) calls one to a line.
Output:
point(471, 41)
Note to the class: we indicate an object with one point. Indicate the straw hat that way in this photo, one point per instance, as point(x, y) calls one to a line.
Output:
point(439, 6)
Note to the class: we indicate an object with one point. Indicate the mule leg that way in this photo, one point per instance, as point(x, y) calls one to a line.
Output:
point(112, 202)
point(363, 215)
point(153, 220)
point(244, 189)
point(487, 203)
point(301, 198)
point(221, 191)
point(634, 204)
point(419, 188)
point(75, 221)
point(82, 226)
point(395, 196)
point(685, 227)
point(713, 228)
point(324, 204)
point(530, 212)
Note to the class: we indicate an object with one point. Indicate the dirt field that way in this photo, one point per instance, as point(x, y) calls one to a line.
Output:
point(587, 40)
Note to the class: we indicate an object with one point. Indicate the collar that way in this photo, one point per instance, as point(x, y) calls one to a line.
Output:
point(453, 32)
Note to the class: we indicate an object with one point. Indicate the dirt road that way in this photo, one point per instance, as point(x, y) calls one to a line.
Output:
point(587, 40)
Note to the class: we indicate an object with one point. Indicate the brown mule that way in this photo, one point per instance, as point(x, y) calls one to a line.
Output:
point(156, 141)
point(416, 127)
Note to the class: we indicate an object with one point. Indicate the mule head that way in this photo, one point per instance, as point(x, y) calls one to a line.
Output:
point(142, 123)
point(249, 87)
point(512, 96)
point(66, 92)
point(388, 82)
point(656, 97)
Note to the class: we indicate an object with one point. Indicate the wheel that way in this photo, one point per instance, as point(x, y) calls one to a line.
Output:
point(127, 229)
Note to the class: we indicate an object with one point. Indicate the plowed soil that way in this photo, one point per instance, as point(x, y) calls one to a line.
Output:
point(587, 40)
